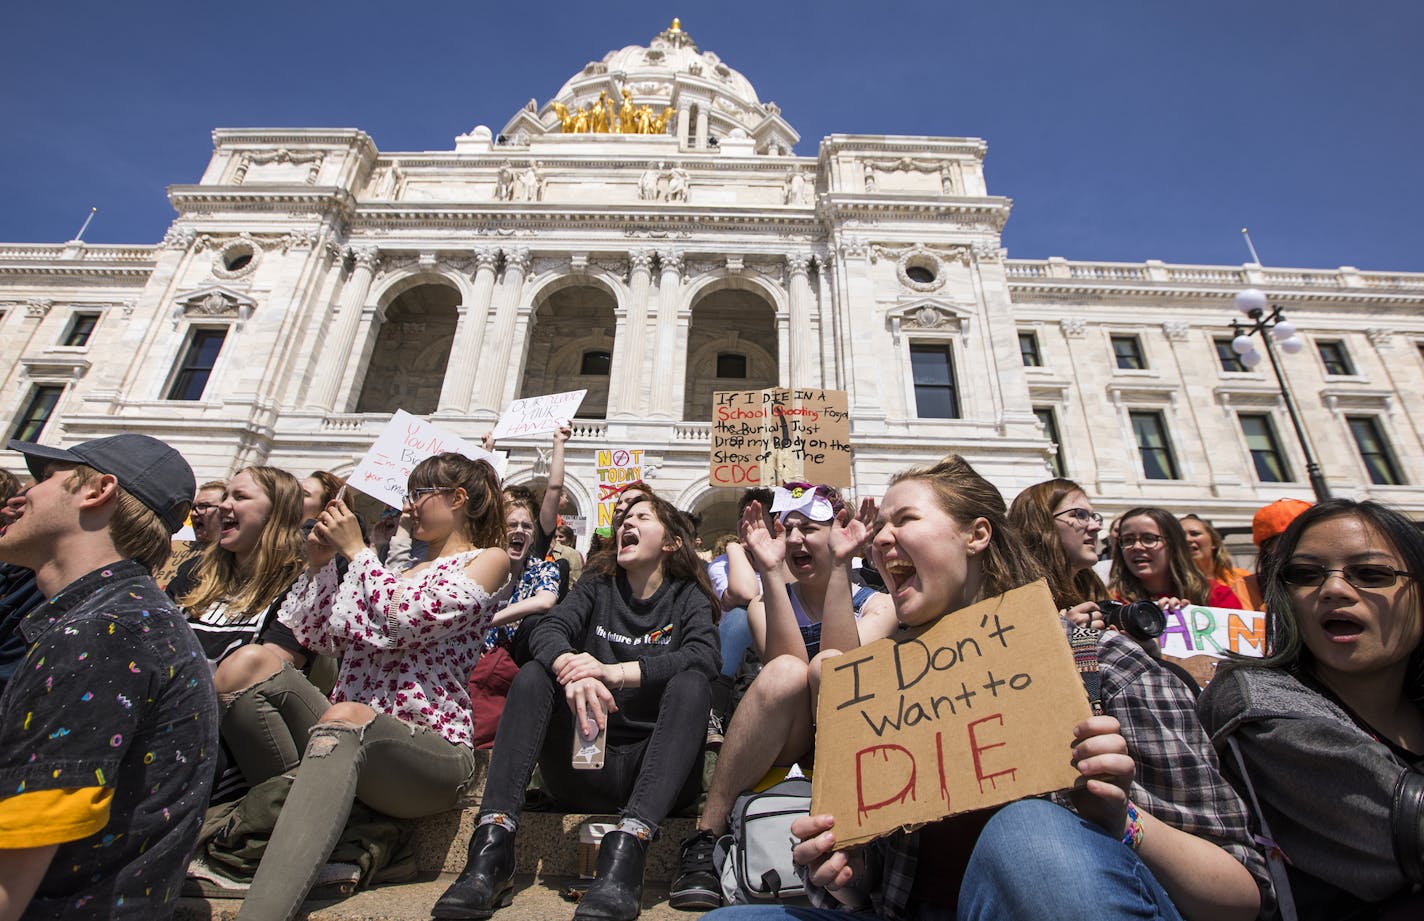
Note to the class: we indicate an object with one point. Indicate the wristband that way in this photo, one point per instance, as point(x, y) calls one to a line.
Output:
point(1132, 831)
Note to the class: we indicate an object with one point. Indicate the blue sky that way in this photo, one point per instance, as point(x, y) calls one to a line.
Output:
point(1124, 130)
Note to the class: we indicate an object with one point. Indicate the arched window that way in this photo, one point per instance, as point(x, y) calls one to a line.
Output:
point(596, 363)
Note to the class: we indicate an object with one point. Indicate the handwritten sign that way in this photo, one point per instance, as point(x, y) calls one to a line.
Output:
point(534, 415)
point(616, 468)
point(1202, 631)
point(766, 437)
point(976, 711)
point(384, 472)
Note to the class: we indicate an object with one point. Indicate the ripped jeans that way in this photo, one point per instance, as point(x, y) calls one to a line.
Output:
point(401, 770)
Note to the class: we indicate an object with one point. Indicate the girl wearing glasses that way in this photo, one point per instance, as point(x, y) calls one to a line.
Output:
point(1060, 528)
point(1154, 832)
point(1152, 561)
point(1329, 725)
point(632, 651)
point(397, 730)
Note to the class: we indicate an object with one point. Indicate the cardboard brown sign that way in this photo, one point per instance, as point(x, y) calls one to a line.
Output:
point(976, 711)
point(776, 435)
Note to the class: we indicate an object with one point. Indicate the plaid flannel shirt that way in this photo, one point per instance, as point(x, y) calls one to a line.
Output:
point(1178, 780)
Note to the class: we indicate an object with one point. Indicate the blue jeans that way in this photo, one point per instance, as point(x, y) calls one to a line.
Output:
point(736, 636)
point(1033, 860)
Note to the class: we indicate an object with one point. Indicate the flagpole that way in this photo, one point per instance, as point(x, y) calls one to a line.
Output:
point(85, 226)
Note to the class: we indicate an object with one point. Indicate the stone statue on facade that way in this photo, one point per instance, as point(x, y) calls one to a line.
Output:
point(531, 182)
point(648, 182)
point(504, 182)
point(677, 184)
point(795, 188)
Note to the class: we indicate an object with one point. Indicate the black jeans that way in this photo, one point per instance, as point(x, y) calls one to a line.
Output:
point(644, 779)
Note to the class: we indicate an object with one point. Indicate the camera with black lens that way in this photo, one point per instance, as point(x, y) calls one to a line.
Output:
point(1141, 620)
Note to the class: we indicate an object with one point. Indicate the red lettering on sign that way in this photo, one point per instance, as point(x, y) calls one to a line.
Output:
point(976, 749)
point(863, 809)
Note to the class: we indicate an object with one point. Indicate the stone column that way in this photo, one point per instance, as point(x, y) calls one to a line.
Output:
point(684, 116)
point(666, 370)
point(830, 340)
point(802, 343)
point(625, 386)
point(489, 394)
point(334, 366)
point(465, 357)
point(702, 127)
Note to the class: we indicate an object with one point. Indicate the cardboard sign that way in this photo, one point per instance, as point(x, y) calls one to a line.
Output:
point(1202, 631)
point(616, 468)
point(767, 437)
point(384, 472)
point(534, 415)
point(976, 711)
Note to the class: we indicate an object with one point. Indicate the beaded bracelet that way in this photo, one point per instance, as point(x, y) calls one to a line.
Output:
point(1132, 831)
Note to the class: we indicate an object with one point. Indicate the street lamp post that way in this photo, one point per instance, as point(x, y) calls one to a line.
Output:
point(1274, 326)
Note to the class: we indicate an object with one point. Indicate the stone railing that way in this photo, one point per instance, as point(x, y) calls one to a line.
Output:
point(1153, 271)
point(30, 252)
point(589, 429)
point(692, 431)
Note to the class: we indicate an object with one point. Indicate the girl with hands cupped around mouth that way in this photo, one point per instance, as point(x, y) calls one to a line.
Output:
point(1150, 830)
point(629, 655)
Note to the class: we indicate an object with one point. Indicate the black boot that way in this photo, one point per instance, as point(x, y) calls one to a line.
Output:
point(487, 882)
point(617, 893)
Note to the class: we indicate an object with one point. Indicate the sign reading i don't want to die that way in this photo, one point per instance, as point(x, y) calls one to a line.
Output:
point(975, 711)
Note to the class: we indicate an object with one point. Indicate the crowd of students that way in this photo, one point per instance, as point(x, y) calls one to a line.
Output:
point(369, 663)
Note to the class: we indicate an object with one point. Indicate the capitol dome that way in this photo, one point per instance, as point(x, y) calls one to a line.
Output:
point(681, 92)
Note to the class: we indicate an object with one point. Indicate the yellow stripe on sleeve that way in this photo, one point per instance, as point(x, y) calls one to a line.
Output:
point(53, 816)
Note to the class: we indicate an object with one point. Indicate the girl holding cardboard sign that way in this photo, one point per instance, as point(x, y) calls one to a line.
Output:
point(632, 650)
point(397, 730)
point(1329, 727)
point(1153, 831)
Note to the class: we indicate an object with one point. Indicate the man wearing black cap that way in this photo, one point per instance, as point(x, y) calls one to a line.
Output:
point(109, 725)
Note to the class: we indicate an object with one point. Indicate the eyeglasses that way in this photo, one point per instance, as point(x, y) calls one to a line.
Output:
point(415, 496)
point(1360, 575)
point(1081, 516)
point(202, 508)
point(1148, 541)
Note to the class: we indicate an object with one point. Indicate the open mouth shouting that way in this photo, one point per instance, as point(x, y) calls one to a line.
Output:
point(900, 576)
point(1341, 627)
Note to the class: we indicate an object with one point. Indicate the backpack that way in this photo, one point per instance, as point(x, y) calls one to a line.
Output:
point(754, 858)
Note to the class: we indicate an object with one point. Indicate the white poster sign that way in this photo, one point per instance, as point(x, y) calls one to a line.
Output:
point(384, 472)
point(534, 415)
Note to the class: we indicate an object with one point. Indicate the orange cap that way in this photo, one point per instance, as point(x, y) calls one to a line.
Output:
point(1273, 520)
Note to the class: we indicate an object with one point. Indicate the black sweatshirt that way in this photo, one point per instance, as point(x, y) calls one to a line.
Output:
point(670, 632)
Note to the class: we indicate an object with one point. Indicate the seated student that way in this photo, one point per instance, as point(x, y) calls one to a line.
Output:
point(232, 593)
point(734, 582)
point(631, 651)
point(1330, 724)
point(1154, 831)
point(532, 589)
point(397, 730)
point(107, 729)
point(1151, 561)
point(1059, 526)
point(806, 604)
point(317, 492)
point(1209, 552)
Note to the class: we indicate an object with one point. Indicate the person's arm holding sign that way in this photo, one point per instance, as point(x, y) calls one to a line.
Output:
point(554, 491)
point(771, 618)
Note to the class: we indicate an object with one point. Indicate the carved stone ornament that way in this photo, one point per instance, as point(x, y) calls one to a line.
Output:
point(516, 259)
point(549, 264)
point(905, 164)
point(671, 259)
point(1073, 327)
point(937, 315)
point(244, 245)
point(38, 307)
point(928, 318)
point(853, 247)
point(798, 264)
point(213, 302)
point(365, 256)
point(769, 271)
point(299, 239)
point(986, 251)
point(280, 155)
point(641, 259)
point(1380, 337)
point(696, 267)
point(179, 237)
point(486, 257)
point(926, 260)
point(1176, 330)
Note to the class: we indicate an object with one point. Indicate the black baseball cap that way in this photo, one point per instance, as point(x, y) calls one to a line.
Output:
point(151, 471)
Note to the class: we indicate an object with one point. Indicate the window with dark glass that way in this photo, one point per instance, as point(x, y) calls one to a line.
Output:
point(920, 274)
point(596, 363)
point(80, 329)
point(1049, 422)
point(1128, 352)
point(1375, 451)
point(1028, 349)
point(1334, 356)
point(731, 364)
point(1230, 361)
point(1265, 448)
point(37, 411)
point(197, 364)
point(932, 368)
point(1151, 433)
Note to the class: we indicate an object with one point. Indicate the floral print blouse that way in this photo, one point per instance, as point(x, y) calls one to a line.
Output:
point(407, 645)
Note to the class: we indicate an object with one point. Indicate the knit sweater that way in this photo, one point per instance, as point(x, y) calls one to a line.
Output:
point(669, 632)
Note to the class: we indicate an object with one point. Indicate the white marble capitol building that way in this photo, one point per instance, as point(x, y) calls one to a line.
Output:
point(649, 235)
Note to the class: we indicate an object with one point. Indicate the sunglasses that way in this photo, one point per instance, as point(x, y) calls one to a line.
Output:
point(1360, 575)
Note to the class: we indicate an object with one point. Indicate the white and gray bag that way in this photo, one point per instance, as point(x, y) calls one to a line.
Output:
point(754, 858)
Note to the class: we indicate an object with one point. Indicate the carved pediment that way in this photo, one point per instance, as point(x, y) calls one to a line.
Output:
point(928, 314)
point(213, 302)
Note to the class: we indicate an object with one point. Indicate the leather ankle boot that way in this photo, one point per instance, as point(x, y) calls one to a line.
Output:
point(487, 882)
point(617, 892)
